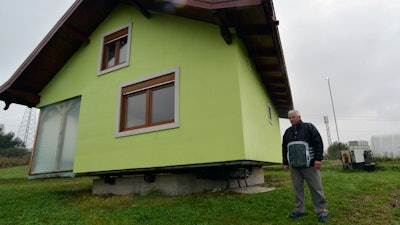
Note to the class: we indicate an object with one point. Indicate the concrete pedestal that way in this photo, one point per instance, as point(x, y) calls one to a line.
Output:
point(173, 184)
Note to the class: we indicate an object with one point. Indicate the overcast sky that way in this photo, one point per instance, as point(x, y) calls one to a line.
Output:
point(354, 43)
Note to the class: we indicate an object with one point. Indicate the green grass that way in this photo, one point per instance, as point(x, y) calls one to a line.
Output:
point(354, 197)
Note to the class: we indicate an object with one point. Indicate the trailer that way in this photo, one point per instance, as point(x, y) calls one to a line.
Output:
point(357, 159)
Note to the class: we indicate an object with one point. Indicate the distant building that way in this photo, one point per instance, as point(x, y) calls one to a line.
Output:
point(361, 144)
point(386, 145)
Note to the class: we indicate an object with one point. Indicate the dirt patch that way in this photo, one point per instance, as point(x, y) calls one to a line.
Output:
point(395, 199)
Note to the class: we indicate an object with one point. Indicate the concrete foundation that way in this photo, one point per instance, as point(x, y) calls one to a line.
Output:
point(173, 184)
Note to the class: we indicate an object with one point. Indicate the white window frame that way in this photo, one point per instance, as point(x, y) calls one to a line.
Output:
point(172, 125)
point(101, 71)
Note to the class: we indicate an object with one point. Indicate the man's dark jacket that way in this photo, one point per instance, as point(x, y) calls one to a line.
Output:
point(303, 132)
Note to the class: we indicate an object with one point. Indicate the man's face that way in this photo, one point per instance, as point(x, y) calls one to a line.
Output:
point(294, 119)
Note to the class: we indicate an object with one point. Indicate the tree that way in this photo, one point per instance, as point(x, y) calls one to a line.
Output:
point(10, 146)
point(335, 148)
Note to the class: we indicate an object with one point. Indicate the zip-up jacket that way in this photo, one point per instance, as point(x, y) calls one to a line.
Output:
point(306, 132)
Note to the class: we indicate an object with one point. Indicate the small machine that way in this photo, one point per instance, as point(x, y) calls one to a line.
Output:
point(357, 158)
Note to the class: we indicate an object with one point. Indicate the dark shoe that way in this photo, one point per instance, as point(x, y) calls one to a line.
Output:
point(295, 216)
point(323, 219)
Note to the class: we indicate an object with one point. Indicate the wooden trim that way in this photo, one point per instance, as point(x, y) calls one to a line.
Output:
point(74, 32)
point(216, 4)
point(104, 57)
point(122, 120)
point(116, 53)
point(28, 96)
point(113, 38)
point(147, 83)
point(35, 142)
point(129, 91)
point(139, 6)
point(116, 35)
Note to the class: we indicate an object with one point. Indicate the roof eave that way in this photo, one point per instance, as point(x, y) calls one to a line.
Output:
point(70, 33)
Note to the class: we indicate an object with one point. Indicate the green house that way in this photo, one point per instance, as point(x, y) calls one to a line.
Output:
point(146, 87)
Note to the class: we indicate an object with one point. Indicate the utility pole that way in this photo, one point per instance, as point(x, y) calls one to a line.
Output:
point(333, 108)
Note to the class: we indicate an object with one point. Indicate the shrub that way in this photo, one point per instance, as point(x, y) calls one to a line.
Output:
point(13, 152)
point(13, 161)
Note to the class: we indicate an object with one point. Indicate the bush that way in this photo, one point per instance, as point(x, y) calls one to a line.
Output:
point(387, 159)
point(334, 150)
point(13, 161)
point(13, 152)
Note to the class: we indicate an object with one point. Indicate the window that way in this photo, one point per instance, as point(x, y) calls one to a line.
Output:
point(56, 139)
point(115, 50)
point(149, 104)
point(270, 114)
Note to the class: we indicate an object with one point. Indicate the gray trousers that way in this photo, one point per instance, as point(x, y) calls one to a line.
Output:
point(313, 178)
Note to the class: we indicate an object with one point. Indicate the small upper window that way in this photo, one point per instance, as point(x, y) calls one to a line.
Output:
point(115, 50)
point(149, 104)
point(270, 114)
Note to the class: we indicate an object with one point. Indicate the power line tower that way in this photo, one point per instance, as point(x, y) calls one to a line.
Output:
point(27, 128)
point(328, 133)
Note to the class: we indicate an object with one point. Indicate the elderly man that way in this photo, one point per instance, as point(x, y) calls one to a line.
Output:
point(302, 153)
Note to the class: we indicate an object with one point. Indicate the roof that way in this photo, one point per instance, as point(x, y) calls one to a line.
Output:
point(253, 20)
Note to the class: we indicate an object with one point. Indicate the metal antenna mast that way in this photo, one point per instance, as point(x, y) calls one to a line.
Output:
point(333, 108)
point(27, 128)
point(328, 132)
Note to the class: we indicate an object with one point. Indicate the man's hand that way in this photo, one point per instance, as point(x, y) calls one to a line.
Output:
point(317, 164)
point(286, 167)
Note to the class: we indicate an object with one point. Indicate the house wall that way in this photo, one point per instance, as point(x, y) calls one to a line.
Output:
point(211, 128)
point(261, 136)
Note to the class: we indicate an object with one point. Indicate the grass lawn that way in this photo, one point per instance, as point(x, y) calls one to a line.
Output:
point(354, 197)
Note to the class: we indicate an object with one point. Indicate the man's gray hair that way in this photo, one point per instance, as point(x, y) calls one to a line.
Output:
point(294, 111)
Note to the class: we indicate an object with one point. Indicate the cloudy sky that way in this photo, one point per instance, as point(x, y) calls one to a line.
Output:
point(354, 43)
point(23, 23)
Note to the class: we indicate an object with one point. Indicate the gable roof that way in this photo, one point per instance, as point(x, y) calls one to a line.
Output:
point(253, 20)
